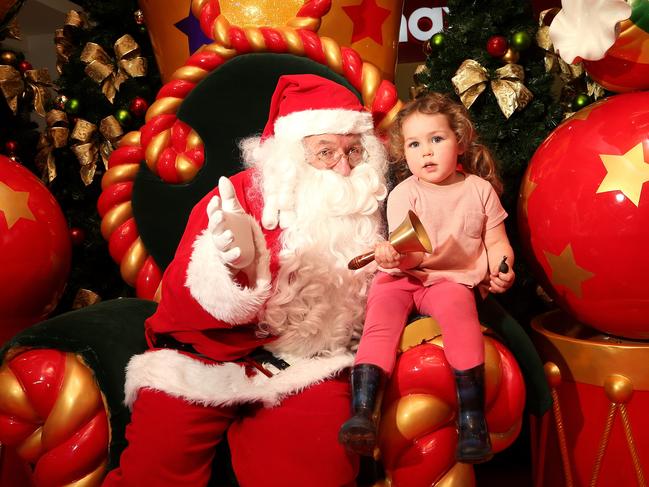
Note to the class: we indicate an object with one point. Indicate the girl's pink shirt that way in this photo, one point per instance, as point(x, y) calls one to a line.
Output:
point(456, 217)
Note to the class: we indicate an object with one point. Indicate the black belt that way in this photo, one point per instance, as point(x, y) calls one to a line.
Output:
point(257, 358)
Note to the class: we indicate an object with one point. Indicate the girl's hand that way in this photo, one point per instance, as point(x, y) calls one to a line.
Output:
point(386, 255)
point(499, 282)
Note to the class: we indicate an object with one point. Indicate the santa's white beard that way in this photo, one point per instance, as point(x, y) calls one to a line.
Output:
point(318, 304)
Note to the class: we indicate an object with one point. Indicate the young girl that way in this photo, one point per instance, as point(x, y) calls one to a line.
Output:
point(454, 191)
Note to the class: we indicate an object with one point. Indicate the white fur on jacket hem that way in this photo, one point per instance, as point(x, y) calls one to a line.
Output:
point(226, 384)
point(298, 125)
point(210, 281)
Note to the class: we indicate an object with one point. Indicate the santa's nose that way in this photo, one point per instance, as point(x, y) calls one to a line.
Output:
point(342, 167)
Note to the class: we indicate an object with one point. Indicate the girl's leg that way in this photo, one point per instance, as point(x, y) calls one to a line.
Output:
point(388, 305)
point(453, 306)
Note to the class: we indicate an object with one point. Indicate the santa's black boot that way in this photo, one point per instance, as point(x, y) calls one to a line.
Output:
point(473, 445)
point(358, 433)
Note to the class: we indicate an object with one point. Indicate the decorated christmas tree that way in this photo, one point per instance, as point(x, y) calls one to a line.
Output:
point(108, 78)
point(497, 59)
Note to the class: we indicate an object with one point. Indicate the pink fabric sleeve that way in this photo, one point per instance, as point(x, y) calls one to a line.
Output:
point(494, 210)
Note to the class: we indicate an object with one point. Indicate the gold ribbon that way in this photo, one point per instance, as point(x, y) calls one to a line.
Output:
point(89, 147)
point(102, 70)
point(55, 136)
point(85, 297)
point(471, 80)
point(63, 38)
point(553, 63)
point(11, 85)
point(13, 30)
point(38, 81)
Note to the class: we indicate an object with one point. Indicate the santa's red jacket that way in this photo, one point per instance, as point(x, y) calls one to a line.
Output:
point(203, 306)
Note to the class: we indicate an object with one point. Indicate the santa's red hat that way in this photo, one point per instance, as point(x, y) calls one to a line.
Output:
point(306, 104)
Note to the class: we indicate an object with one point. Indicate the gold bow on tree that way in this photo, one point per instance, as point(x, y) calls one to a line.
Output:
point(55, 136)
point(102, 70)
point(90, 147)
point(63, 38)
point(471, 80)
point(11, 85)
point(553, 63)
point(34, 81)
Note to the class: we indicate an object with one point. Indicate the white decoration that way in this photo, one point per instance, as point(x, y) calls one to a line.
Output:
point(586, 29)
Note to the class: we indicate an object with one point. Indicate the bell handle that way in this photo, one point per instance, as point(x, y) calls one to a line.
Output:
point(360, 261)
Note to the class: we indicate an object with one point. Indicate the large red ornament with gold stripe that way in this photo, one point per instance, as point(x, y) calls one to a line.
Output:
point(52, 414)
point(417, 433)
point(626, 64)
point(584, 214)
point(34, 249)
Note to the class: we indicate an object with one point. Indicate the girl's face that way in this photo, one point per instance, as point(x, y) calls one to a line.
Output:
point(431, 148)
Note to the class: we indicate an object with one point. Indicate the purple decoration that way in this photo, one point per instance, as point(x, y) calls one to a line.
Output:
point(190, 26)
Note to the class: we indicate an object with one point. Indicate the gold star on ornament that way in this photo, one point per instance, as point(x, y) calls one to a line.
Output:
point(566, 272)
point(626, 173)
point(527, 188)
point(13, 205)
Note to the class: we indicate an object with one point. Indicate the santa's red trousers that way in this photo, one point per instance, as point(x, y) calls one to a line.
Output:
point(171, 442)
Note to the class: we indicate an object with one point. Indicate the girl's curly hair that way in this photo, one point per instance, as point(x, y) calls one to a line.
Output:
point(476, 159)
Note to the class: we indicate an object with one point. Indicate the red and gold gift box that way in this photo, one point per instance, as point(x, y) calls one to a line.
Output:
point(595, 433)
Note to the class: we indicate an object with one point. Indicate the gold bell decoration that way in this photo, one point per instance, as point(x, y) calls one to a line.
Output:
point(409, 236)
point(471, 80)
point(89, 146)
point(53, 137)
point(101, 68)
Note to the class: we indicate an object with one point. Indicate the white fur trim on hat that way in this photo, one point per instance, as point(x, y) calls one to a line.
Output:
point(210, 281)
point(225, 384)
point(298, 125)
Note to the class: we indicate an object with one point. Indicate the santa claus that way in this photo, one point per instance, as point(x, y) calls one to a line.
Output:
point(259, 313)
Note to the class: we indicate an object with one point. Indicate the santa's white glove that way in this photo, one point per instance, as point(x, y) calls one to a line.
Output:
point(230, 227)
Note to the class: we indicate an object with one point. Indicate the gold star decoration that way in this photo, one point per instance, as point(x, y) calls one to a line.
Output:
point(13, 205)
point(626, 173)
point(565, 271)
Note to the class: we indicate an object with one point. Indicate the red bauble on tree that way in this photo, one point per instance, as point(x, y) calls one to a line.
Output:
point(34, 249)
point(77, 236)
point(497, 46)
point(138, 106)
point(11, 146)
point(24, 66)
point(584, 213)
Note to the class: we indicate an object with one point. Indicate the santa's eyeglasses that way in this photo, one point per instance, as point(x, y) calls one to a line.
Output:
point(354, 155)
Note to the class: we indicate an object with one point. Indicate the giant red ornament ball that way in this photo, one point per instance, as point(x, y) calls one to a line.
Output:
point(34, 249)
point(584, 215)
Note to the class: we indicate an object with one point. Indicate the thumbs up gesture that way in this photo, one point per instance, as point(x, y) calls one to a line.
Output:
point(230, 227)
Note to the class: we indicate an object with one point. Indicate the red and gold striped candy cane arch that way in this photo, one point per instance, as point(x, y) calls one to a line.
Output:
point(174, 151)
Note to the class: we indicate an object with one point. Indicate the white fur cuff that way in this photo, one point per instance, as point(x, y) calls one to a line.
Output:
point(226, 384)
point(210, 281)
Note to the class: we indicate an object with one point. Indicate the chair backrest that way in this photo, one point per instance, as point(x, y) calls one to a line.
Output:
point(231, 103)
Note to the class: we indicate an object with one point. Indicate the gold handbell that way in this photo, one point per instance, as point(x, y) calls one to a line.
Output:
point(410, 236)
